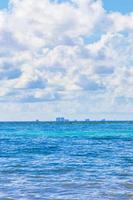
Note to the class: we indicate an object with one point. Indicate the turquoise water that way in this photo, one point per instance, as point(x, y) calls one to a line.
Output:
point(66, 161)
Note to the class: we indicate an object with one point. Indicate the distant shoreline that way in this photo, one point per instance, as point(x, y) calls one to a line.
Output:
point(86, 122)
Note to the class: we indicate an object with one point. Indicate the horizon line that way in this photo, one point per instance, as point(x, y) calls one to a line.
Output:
point(42, 121)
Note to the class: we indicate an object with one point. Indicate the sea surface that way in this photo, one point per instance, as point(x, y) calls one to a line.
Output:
point(66, 161)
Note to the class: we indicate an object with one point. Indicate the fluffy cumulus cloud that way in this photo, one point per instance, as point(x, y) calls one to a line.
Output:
point(73, 51)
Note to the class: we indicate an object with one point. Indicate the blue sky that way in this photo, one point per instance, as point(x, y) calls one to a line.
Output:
point(123, 6)
point(4, 4)
point(71, 60)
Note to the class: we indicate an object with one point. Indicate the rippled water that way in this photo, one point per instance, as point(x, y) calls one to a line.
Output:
point(68, 161)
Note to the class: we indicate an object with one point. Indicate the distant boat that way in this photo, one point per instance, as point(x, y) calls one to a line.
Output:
point(37, 120)
point(103, 120)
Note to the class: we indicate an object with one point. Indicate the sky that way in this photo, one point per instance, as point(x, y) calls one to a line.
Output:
point(123, 6)
point(66, 58)
point(4, 4)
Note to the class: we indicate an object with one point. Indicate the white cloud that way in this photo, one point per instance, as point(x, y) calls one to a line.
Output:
point(46, 53)
point(121, 22)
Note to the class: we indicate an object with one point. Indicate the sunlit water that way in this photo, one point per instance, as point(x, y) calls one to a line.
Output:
point(66, 161)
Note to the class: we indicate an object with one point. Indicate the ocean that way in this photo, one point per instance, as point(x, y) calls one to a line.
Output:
point(66, 161)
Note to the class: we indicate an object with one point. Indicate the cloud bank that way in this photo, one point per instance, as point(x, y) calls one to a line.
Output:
point(58, 51)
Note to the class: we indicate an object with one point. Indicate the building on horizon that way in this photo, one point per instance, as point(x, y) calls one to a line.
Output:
point(61, 119)
point(103, 120)
point(87, 120)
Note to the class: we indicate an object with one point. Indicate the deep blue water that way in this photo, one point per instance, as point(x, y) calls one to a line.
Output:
point(66, 161)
